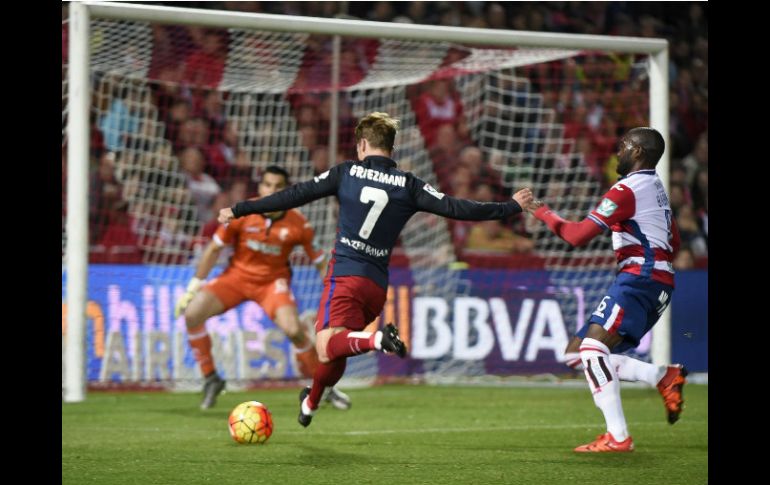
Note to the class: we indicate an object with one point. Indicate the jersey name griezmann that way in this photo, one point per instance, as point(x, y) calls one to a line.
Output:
point(376, 176)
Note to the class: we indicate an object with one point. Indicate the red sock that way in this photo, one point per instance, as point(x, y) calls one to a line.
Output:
point(200, 342)
point(348, 344)
point(326, 375)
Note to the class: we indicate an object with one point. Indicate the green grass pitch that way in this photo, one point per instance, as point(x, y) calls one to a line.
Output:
point(395, 434)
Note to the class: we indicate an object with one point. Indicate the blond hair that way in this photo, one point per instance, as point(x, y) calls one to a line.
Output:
point(379, 129)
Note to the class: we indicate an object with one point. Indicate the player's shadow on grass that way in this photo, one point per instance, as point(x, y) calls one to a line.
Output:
point(324, 456)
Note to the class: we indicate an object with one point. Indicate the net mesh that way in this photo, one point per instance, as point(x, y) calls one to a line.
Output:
point(184, 120)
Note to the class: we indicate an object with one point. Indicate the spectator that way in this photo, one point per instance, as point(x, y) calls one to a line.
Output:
point(496, 16)
point(473, 158)
point(416, 12)
point(307, 113)
point(437, 107)
point(308, 137)
point(319, 158)
point(174, 239)
point(493, 236)
point(677, 197)
point(212, 112)
point(698, 158)
point(119, 121)
point(690, 233)
point(678, 173)
point(222, 200)
point(177, 114)
point(104, 196)
point(197, 56)
point(700, 189)
point(194, 133)
point(221, 155)
point(449, 14)
point(679, 141)
point(346, 124)
point(684, 259)
point(444, 154)
point(245, 170)
point(203, 188)
point(119, 243)
point(205, 66)
point(381, 12)
point(589, 156)
point(460, 185)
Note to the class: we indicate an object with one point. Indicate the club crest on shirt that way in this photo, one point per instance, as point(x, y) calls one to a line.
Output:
point(606, 207)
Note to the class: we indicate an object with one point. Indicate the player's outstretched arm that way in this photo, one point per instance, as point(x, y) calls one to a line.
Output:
point(428, 199)
point(617, 205)
point(298, 194)
point(575, 233)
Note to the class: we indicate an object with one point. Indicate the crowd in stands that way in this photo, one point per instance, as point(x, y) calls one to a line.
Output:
point(188, 64)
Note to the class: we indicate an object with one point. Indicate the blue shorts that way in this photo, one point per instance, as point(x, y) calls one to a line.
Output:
point(632, 306)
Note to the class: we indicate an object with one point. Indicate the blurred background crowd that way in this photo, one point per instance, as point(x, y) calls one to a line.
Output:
point(188, 63)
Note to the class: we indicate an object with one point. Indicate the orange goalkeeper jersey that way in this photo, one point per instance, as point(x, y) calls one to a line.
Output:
point(262, 245)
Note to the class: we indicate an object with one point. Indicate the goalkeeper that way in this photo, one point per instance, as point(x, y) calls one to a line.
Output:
point(258, 271)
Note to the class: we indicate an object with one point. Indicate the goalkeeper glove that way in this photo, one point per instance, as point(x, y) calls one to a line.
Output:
point(192, 288)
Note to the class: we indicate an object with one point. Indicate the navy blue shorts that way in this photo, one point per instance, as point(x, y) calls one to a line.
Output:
point(632, 306)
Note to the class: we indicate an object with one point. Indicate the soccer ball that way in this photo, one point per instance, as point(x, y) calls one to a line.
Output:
point(250, 422)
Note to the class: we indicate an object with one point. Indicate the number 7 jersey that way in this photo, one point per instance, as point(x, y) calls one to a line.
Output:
point(376, 201)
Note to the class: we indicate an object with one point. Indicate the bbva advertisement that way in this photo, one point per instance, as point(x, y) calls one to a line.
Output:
point(499, 322)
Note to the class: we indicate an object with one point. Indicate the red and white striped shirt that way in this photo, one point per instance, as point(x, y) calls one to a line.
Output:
point(637, 211)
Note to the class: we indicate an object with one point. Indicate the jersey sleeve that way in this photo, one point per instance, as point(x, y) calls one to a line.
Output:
point(299, 194)
point(575, 233)
point(428, 199)
point(226, 234)
point(617, 205)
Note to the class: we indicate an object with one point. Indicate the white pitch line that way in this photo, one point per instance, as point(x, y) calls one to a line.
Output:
point(521, 427)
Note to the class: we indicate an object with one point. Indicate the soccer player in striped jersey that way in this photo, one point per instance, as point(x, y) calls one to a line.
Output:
point(645, 238)
point(376, 200)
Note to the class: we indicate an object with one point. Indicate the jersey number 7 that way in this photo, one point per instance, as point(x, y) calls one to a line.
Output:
point(380, 199)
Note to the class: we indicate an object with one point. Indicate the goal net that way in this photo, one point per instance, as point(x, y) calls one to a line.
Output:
point(184, 119)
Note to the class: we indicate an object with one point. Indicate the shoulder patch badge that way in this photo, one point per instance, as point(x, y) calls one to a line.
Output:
point(435, 193)
point(606, 207)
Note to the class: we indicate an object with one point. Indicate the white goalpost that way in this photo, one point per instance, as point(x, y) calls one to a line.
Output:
point(513, 119)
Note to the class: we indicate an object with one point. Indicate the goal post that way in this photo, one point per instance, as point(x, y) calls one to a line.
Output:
point(77, 204)
point(510, 119)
